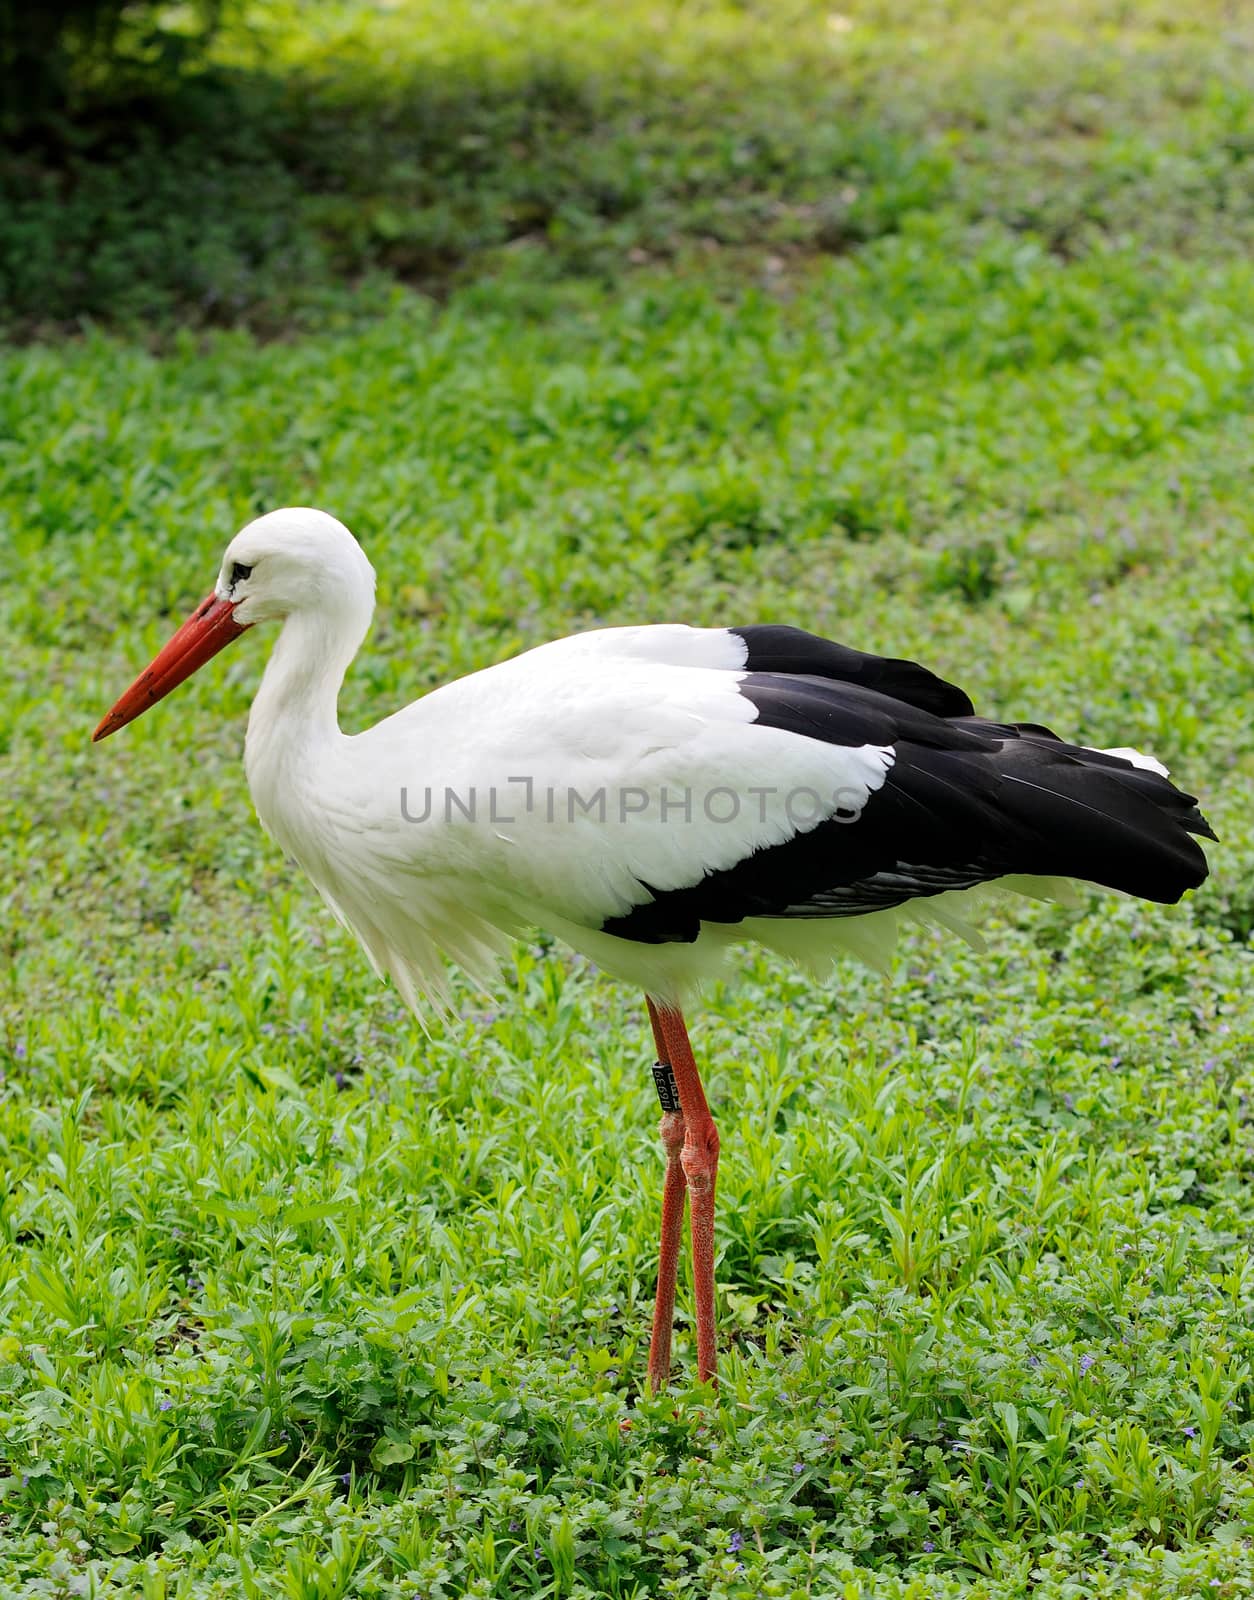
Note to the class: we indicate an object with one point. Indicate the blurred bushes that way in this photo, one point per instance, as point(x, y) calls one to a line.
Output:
point(277, 164)
point(56, 55)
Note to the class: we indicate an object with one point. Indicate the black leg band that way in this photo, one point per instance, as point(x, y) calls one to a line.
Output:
point(667, 1091)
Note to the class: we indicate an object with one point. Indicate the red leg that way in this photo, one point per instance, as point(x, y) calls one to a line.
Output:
point(672, 1132)
point(699, 1159)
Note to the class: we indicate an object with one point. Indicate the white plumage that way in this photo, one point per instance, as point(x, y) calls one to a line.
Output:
point(607, 734)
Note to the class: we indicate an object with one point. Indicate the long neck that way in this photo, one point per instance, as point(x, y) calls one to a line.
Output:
point(295, 708)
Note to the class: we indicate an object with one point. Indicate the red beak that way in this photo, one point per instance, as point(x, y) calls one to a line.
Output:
point(210, 627)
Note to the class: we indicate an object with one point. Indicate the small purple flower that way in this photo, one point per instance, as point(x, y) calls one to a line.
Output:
point(929, 1544)
point(1086, 1361)
point(19, 1050)
point(736, 1543)
point(165, 1405)
point(798, 1467)
point(514, 1525)
point(1034, 1361)
point(339, 1080)
point(346, 1478)
point(1190, 1432)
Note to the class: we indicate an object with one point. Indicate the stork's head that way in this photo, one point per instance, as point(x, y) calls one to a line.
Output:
point(289, 563)
point(293, 560)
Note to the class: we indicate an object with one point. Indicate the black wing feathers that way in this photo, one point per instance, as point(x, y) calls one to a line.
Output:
point(965, 801)
point(795, 653)
point(854, 714)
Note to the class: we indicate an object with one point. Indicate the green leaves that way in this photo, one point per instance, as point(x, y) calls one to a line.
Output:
point(313, 168)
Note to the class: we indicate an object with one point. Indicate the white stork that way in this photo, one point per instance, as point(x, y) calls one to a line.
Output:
point(652, 795)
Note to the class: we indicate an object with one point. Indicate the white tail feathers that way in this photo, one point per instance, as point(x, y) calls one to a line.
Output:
point(1125, 753)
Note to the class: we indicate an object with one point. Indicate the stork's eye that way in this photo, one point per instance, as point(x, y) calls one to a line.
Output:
point(239, 572)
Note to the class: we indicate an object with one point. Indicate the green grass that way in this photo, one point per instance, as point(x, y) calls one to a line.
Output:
point(299, 1301)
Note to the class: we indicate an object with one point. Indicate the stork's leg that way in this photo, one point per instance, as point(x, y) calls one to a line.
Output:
point(699, 1160)
point(672, 1134)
